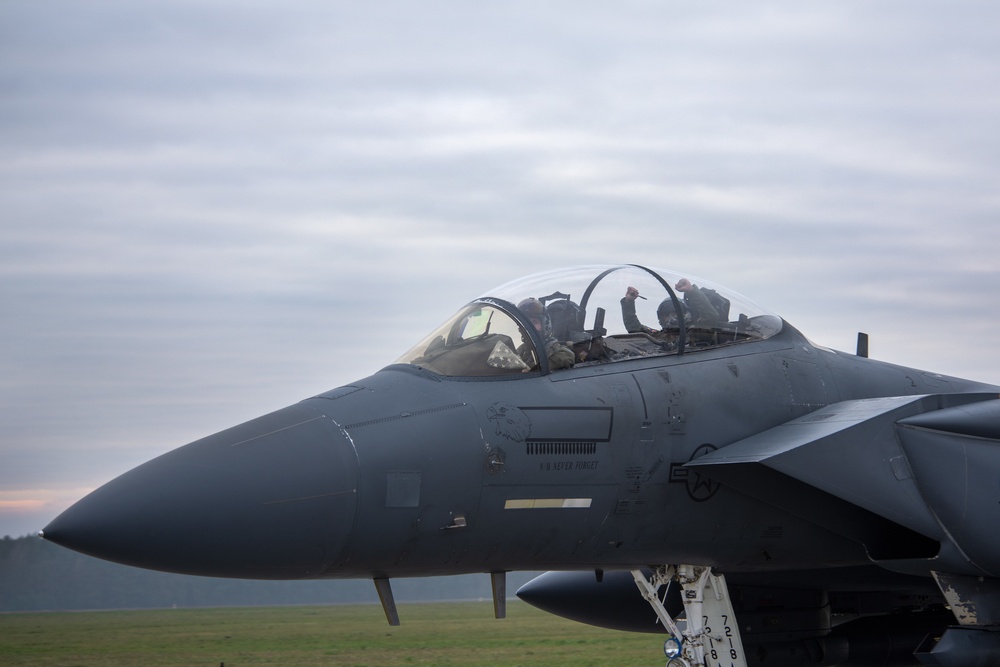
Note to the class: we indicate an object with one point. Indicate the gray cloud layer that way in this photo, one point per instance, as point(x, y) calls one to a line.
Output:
point(210, 210)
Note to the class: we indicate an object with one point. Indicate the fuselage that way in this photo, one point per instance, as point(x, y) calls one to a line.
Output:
point(583, 468)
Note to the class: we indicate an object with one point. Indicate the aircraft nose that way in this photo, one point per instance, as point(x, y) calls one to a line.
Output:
point(273, 498)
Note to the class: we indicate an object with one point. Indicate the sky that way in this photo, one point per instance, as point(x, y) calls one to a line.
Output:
point(210, 210)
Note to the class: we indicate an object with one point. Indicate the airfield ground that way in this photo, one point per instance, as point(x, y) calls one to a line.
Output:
point(461, 634)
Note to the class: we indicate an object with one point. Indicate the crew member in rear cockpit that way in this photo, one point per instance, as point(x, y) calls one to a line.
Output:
point(559, 355)
point(697, 311)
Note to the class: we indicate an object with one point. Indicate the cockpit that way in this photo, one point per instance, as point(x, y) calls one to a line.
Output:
point(589, 315)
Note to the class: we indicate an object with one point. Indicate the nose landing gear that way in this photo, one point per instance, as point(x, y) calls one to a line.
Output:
point(710, 636)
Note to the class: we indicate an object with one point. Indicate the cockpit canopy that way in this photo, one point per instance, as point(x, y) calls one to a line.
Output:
point(579, 317)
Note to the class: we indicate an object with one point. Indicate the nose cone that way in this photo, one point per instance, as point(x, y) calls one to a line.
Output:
point(274, 498)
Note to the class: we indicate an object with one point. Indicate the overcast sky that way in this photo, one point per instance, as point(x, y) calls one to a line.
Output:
point(211, 210)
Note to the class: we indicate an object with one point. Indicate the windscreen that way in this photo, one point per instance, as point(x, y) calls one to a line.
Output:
point(479, 340)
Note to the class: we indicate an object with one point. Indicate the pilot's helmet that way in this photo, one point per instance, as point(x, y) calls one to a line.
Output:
point(667, 314)
point(535, 312)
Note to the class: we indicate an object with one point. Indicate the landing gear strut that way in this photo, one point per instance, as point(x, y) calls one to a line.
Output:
point(710, 636)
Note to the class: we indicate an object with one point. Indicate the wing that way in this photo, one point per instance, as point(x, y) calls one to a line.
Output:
point(912, 477)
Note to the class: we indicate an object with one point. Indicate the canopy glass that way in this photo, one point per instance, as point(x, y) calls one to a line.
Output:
point(589, 315)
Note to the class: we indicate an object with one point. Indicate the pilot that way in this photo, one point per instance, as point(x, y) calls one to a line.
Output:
point(559, 355)
point(697, 311)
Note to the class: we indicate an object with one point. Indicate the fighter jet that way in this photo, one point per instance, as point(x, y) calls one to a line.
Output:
point(681, 459)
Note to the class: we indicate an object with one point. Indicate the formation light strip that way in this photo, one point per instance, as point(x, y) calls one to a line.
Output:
point(546, 503)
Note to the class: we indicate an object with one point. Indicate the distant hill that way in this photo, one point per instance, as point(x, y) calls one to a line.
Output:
point(36, 575)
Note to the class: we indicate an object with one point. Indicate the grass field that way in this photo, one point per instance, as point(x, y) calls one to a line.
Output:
point(461, 634)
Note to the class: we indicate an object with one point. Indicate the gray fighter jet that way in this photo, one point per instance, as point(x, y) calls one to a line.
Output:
point(685, 462)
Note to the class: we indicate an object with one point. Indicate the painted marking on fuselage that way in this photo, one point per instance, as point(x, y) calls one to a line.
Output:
point(570, 424)
point(547, 425)
point(561, 448)
point(550, 466)
point(510, 421)
point(547, 503)
point(699, 487)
